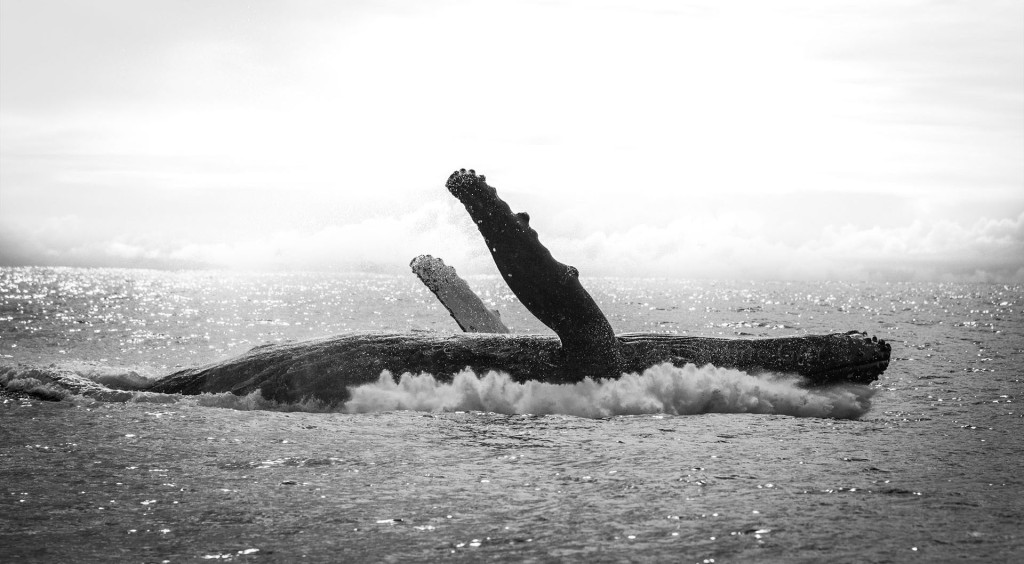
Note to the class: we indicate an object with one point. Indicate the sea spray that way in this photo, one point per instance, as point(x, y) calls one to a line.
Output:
point(663, 388)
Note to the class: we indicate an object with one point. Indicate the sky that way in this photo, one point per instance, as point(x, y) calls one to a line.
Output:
point(795, 140)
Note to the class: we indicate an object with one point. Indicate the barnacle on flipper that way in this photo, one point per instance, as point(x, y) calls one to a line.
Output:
point(462, 179)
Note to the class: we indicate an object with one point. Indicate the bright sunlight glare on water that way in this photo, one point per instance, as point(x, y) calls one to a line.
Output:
point(693, 464)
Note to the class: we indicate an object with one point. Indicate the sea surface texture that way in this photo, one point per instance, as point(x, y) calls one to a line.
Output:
point(688, 464)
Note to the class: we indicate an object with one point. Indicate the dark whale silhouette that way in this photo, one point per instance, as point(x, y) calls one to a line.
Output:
point(585, 345)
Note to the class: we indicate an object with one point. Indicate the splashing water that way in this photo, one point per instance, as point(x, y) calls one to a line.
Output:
point(660, 389)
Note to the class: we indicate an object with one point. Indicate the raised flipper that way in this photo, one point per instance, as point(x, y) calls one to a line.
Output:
point(456, 296)
point(549, 289)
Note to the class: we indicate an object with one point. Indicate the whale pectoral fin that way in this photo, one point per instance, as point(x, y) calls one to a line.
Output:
point(465, 307)
point(550, 290)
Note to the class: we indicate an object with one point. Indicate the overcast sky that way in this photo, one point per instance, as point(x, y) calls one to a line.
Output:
point(785, 139)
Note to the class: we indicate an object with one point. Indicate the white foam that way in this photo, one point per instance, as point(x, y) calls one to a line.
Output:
point(660, 389)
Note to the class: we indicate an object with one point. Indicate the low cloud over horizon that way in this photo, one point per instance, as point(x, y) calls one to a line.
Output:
point(694, 245)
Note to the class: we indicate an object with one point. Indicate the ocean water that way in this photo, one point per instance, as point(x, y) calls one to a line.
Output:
point(694, 464)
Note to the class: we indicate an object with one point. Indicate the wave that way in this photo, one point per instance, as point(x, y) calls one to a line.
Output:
point(56, 383)
point(664, 388)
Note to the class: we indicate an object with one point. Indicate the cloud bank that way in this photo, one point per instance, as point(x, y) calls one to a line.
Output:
point(729, 246)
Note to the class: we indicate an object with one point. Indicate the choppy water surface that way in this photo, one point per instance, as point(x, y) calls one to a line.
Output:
point(930, 473)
